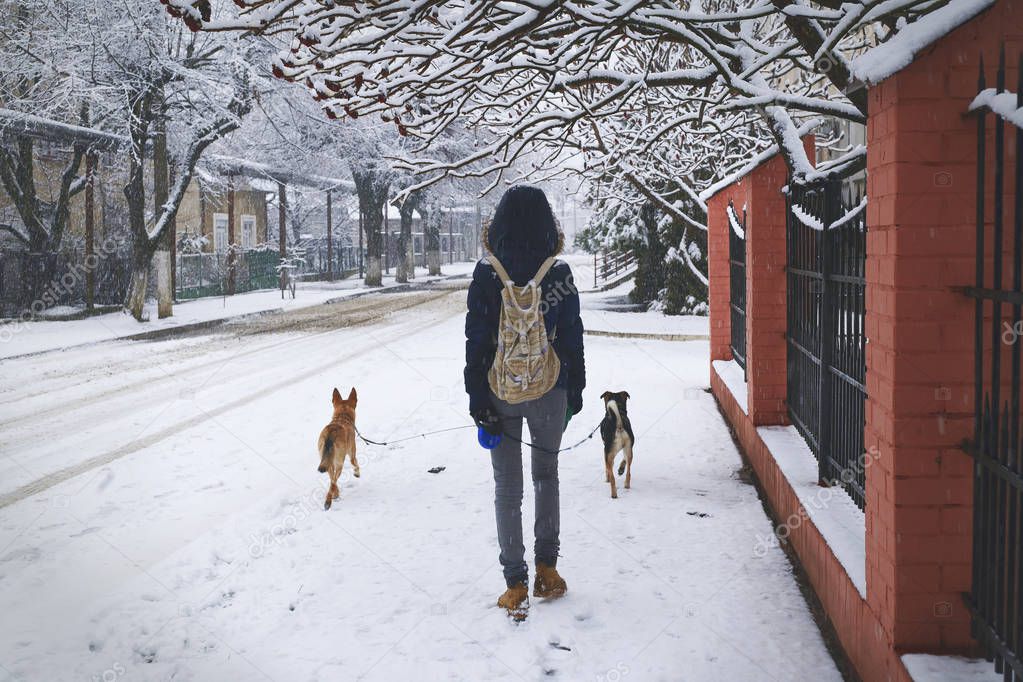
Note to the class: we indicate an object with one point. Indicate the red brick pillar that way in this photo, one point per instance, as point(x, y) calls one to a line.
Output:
point(718, 274)
point(765, 293)
point(921, 166)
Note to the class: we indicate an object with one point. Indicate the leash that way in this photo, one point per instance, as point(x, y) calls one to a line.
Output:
point(504, 434)
point(418, 435)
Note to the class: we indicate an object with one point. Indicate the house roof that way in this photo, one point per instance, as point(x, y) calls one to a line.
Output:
point(18, 123)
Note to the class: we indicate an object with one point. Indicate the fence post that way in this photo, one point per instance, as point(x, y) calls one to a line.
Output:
point(828, 331)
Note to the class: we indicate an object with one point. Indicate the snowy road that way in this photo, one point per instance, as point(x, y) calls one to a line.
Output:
point(160, 517)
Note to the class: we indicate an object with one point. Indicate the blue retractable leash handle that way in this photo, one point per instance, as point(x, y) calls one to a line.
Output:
point(489, 441)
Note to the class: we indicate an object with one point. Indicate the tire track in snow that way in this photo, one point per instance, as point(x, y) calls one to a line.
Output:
point(180, 373)
point(67, 473)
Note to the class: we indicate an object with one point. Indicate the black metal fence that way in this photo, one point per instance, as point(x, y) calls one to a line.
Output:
point(318, 259)
point(207, 274)
point(826, 242)
point(996, 597)
point(737, 283)
point(38, 283)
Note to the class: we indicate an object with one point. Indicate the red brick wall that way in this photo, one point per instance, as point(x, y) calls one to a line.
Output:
point(760, 193)
point(718, 274)
point(765, 292)
point(920, 244)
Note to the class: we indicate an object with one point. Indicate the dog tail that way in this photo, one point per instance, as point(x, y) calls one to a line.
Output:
point(328, 446)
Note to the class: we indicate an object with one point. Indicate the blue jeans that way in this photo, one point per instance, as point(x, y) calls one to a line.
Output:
point(546, 419)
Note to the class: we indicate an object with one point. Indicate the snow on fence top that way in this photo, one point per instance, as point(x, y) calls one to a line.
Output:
point(815, 224)
point(850, 214)
point(876, 64)
point(1001, 103)
point(807, 219)
point(734, 222)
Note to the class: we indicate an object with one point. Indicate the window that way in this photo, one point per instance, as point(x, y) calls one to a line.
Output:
point(220, 232)
point(248, 231)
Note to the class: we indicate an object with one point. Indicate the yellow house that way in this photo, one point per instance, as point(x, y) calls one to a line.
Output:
point(207, 213)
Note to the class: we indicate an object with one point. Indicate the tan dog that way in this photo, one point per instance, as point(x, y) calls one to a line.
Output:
point(338, 440)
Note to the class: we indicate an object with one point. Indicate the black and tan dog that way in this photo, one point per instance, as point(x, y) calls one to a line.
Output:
point(337, 440)
point(616, 432)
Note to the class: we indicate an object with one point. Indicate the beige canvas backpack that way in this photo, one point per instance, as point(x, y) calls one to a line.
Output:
point(525, 365)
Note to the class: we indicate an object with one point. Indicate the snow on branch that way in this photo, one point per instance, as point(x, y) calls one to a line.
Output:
point(534, 76)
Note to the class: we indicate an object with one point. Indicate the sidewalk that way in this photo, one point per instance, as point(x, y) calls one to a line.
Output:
point(26, 338)
point(610, 313)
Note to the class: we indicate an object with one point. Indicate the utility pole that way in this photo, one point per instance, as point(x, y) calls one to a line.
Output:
point(231, 283)
point(282, 217)
point(90, 230)
point(330, 241)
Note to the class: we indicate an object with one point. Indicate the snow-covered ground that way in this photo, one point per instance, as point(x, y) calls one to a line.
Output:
point(20, 338)
point(161, 518)
point(600, 314)
point(602, 311)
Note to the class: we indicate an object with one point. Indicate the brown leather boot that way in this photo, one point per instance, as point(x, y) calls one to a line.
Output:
point(548, 584)
point(516, 601)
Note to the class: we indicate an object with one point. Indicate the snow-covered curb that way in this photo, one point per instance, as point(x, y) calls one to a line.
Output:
point(834, 514)
point(836, 517)
point(930, 668)
point(735, 381)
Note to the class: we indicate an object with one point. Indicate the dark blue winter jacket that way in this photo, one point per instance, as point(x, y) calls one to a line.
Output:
point(561, 317)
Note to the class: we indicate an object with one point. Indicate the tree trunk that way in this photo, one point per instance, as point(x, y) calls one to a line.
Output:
point(135, 299)
point(135, 194)
point(430, 212)
point(162, 257)
point(404, 237)
point(431, 235)
point(374, 272)
point(372, 189)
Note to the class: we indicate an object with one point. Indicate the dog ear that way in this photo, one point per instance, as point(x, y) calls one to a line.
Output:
point(604, 395)
point(353, 397)
point(336, 398)
point(626, 394)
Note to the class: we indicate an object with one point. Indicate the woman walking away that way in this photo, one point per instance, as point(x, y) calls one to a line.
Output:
point(524, 360)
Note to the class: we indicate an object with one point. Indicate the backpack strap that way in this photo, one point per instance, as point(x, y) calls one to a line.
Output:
point(536, 279)
point(499, 269)
point(542, 272)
